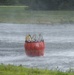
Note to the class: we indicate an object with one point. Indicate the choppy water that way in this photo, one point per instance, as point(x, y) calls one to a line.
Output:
point(59, 41)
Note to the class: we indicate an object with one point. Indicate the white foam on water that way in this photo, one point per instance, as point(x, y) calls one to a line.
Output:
point(58, 39)
point(60, 53)
point(15, 38)
point(11, 58)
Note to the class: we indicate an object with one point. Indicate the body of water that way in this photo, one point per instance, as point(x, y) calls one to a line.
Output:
point(59, 45)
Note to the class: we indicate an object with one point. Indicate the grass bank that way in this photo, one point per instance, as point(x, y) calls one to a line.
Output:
point(21, 14)
point(20, 70)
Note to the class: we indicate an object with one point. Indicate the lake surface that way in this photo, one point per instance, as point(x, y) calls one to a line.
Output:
point(59, 45)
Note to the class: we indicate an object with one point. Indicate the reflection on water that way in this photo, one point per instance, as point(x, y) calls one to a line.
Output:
point(59, 41)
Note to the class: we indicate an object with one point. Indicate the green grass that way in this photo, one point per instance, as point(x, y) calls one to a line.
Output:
point(22, 14)
point(20, 70)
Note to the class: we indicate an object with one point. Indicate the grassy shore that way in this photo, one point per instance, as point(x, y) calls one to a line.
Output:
point(22, 14)
point(20, 70)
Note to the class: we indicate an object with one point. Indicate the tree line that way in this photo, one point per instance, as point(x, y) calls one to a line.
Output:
point(42, 4)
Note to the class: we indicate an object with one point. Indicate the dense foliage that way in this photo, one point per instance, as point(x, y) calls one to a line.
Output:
point(42, 4)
